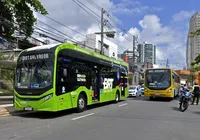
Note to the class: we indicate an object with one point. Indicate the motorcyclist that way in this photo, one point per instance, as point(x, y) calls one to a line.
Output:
point(196, 93)
point(183, 89)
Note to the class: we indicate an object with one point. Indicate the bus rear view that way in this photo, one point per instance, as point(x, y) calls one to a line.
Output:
point(160, 83)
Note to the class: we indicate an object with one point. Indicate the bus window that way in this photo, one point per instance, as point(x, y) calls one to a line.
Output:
point(158, 79)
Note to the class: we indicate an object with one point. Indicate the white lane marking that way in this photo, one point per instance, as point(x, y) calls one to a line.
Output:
point(82, 116)
point(6, 105)
point(123, 104)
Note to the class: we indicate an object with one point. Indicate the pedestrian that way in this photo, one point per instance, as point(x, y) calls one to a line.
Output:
point(196, 92)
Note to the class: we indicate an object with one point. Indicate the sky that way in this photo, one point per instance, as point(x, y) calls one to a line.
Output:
point(163, 23)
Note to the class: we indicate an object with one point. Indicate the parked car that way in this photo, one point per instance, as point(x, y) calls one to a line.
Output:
point(135, 91)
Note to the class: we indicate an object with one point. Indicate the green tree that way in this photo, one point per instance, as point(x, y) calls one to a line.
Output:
point(6, 75)
point(18, 15)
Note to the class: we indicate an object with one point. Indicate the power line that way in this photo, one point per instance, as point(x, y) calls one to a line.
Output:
point(49, 31)
point(109, 16)
point(21, 28)
point(71, 38)
point(67, 28)
point(98, 16)
point(47, 35)
point(57, 30)
point(87, 11)
point(94, 4)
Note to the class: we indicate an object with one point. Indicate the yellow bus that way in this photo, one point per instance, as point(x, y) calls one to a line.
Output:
point(161, 82)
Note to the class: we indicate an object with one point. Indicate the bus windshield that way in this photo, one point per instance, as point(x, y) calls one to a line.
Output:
point(34, 75)
point(158, 79)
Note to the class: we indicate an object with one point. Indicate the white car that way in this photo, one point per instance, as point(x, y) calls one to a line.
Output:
point(133, 91)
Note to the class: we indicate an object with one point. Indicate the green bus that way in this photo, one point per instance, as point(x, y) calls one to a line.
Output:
point(64, 76)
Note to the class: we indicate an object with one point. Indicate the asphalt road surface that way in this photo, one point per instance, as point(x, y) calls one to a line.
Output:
point(132, 119)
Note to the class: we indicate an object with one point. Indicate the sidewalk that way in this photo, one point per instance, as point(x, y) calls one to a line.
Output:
point(6, 109)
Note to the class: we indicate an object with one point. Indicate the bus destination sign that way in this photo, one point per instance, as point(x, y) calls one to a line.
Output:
point(34, 57)
point(157, 71)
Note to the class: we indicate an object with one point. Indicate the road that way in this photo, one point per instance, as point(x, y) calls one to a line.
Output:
point(132, 119)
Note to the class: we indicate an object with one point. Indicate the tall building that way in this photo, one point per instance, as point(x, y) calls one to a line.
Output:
point(193, 43)
point(147, 53)
point(128, 55)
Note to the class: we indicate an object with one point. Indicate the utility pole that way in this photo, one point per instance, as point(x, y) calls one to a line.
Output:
point(134, 43)
point(102, 27)
point(167, 63)
point(109, 34)
point(133, 50)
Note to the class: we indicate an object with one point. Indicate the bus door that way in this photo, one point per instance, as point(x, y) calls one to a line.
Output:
point(123, 84)
point(95, 84)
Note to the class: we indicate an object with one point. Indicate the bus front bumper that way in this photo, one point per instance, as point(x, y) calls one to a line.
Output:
point(29, 104)
point(158, 94)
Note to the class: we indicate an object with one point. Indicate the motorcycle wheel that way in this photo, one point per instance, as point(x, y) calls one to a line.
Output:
point(183, 105)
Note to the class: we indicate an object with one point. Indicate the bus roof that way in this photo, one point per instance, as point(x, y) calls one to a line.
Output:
point(43, 47)
point(161, 69)
point(86, 51)
point(158, 68)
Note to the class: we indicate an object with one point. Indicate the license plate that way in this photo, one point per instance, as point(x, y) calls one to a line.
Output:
point(28, 108)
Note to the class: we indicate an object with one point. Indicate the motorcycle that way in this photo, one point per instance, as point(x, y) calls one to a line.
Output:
point(185, 99)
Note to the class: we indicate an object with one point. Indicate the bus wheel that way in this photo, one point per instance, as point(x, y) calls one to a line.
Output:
point(117, 97)
point(81, 103)
point(151, 98)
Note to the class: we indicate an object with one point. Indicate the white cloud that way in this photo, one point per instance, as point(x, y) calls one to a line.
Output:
point(133, 6)
point(183, 15)
point(152, 30)
point(169, 41)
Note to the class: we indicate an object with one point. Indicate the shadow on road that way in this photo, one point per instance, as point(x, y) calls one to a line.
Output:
point(158, 99)
point(51, 115)
point(197, 112)
point(175, 109)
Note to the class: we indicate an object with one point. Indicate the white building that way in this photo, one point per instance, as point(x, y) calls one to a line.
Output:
point(193, 43)
point(94, 41)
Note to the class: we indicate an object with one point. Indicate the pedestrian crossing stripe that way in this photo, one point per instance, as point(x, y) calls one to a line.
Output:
point(3, 112)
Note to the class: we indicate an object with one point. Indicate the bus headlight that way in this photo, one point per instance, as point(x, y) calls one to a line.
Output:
point(48, 97)
point(170, 90)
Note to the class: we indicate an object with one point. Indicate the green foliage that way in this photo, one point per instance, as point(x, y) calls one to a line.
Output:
point(7, 75)
point(130, 78)
point(196, 33)
point(6, 14)
point(195, 68)
point(18, 15)
point(2, 57)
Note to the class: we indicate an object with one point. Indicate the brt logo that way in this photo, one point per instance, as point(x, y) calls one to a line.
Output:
point(108, 83)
